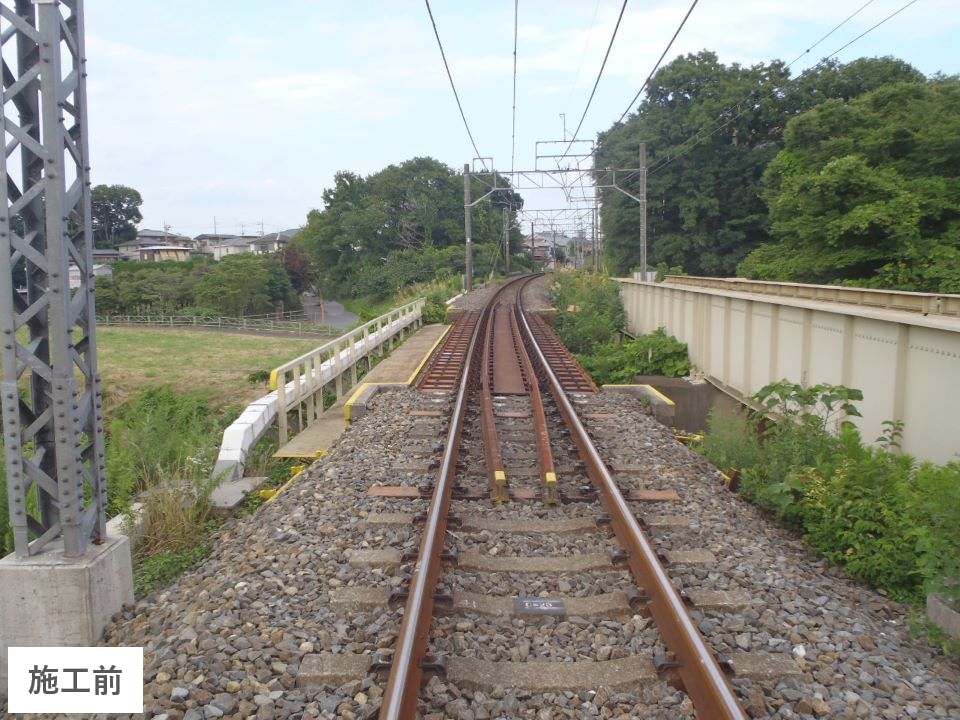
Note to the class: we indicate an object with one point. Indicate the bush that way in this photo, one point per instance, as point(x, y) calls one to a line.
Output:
point(890, 521)
point(590, 311)
point(653, 354)
point(435, 309)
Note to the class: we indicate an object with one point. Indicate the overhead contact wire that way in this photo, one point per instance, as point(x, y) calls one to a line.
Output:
point(452, 85)
point(513, 130)
point(597, 82)
point(662, 56)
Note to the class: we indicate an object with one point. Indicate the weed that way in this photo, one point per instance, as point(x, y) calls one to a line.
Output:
point(653, 354)
point(889, 520)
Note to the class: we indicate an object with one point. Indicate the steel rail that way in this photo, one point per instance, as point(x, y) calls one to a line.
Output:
point(548, 474)
point(406, 672)
point(497, 476)
point(703, 680)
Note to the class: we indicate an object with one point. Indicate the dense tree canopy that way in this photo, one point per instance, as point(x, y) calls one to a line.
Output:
point(711, 130)
point(416, 205)
point(238, 285)
point(115, 212)
point(868, 190)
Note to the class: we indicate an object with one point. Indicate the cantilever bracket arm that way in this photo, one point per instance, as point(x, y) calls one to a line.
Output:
point(632, 197)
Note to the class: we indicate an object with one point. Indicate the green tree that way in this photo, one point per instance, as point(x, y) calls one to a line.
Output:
point(115, 212)
point(416, 205)
point(246, 284)
point(868, 191)
point(711, 130)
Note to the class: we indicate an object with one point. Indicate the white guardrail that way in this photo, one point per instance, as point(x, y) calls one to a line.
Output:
point(299, 384)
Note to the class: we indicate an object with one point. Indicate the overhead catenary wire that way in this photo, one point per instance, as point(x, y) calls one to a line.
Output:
point(700, 138)
point(837, 27)
point(452, 85)
point(513, 128)
point(662, 56)
point(597, 81)
point(583, 53)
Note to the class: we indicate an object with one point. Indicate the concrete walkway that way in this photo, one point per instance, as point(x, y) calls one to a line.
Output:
point(401, 367)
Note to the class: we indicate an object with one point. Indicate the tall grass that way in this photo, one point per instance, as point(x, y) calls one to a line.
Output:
point(157, 436)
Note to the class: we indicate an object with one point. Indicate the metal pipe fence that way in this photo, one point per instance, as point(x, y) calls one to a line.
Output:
point(298, 327)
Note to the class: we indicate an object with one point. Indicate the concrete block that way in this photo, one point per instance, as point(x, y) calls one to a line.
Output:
point(475, 560)
point(332, 669)
point(388, 558)
point(52, 601)
point(230, 494)
point(117, 525)
point(617, 675)
point(664, 409)
point(690, 557)
point(944, 615)
point(763, 666)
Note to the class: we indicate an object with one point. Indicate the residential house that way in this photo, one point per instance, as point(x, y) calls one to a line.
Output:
point(98, 271)
point(257, 244)
point(235, 245)
point(157, 253)
point(105, 255)
point(161, 237)
point(130, 250)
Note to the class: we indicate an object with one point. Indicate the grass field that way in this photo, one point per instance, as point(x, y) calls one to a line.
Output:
point(215, 363)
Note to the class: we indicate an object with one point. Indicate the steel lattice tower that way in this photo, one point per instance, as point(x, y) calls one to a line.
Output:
point(51, 396)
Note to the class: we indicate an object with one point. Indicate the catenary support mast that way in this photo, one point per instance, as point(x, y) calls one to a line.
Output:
point(51, 397)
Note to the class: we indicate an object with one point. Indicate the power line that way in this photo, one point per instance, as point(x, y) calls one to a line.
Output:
point(597, 82)
point(452, 85)
point(700, 139)
point(870, 29)
point(662, 56)
point(848, 19)
point(583, 53)
point(513, 129)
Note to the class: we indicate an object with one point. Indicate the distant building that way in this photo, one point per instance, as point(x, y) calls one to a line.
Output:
point(257, 244)
point(130, 250)
point(98, 271)
point(207, 240)
point(234, 245)
point(105, 255)
point(157, 253)
point(161, 237)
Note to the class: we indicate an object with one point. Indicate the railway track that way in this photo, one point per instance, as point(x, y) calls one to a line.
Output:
point(501, 512)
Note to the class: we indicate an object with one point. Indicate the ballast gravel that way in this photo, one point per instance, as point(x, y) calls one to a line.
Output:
point(227, 638)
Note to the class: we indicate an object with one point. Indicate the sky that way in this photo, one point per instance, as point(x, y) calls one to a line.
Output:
point(240, 113)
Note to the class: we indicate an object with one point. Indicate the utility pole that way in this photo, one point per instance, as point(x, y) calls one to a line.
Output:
point(554, 250)
point(643, 211)
point(533, 243)
point(468, 225)
point(596, 242)
point(214, 224)
point(506, 240)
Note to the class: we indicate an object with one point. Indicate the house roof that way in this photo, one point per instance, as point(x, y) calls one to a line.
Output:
point(155, 235)
point(236, 240)
point(165, 247)
point(138, 242)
